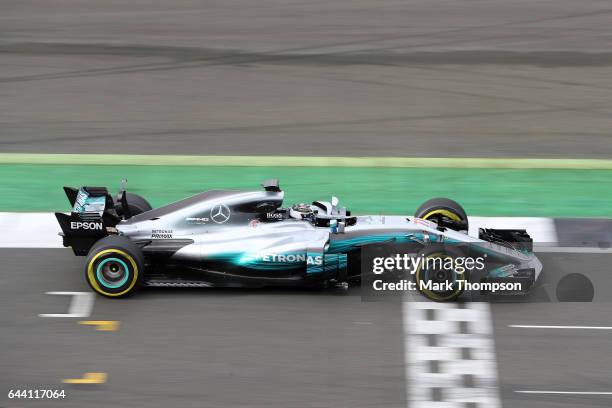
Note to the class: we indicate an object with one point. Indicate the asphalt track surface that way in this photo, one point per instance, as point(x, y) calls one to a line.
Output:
point(328, 78)
point(274, 348)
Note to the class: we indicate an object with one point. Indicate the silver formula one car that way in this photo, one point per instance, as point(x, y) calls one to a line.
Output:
point(248, 239)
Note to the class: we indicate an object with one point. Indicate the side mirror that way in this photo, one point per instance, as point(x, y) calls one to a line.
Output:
point(336, 227)
point(341, 226)
point(334, 201)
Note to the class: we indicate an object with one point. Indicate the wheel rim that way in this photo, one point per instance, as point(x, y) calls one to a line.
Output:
point(438, 276)
point(124, 256)
point(440, 214)
point(112, 273)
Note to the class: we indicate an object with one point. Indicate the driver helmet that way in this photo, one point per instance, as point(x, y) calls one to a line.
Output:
point(300, 211)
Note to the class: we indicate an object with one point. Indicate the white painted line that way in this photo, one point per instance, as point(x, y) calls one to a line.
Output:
point(571, 250)
point(29, 230)
point(446, 368)
point(527, 326)
point(566, 392)
point(81, 304)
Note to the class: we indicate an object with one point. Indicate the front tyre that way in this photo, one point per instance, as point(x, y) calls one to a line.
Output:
point(114, 266)
point(439, 275)
point(445, 212)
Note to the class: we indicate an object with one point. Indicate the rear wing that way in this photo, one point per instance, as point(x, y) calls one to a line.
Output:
point(93, 216)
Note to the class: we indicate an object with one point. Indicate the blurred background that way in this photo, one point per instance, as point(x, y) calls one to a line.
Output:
point(492, 79)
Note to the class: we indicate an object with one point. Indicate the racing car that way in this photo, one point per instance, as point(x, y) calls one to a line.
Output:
point(249, 239)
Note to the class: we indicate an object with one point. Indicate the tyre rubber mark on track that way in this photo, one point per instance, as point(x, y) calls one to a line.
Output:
point(450, 355)
point(81, 304)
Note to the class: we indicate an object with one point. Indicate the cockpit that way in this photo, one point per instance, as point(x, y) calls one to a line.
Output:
point(320, 213)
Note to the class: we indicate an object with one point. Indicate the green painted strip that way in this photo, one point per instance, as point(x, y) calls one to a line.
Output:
point(365, 190)
point(303, 161)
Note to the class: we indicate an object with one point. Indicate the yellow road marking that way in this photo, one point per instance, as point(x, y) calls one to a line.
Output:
point(88, 378)
point(102, 325)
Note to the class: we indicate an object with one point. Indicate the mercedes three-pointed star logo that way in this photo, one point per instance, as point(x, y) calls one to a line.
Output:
point(220, 213)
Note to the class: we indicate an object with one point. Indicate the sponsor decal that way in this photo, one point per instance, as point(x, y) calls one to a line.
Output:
point(314, 260)
point(291, 258)
point(274, 216)
point(161, 234)
point(197, 220)
point(220, 213)
point(76, 225)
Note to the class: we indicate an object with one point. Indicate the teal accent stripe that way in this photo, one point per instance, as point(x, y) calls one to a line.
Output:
point(249, 260)
point(350, 244)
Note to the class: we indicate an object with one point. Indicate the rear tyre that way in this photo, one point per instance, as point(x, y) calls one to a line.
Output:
point(138, 204)
point(114, 266)
point(443, 211)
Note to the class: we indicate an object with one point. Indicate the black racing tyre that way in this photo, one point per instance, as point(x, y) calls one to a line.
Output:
point(575, 287)
point(443, 211)
point(436, 269)
point(114, 266)
point(137, 204)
